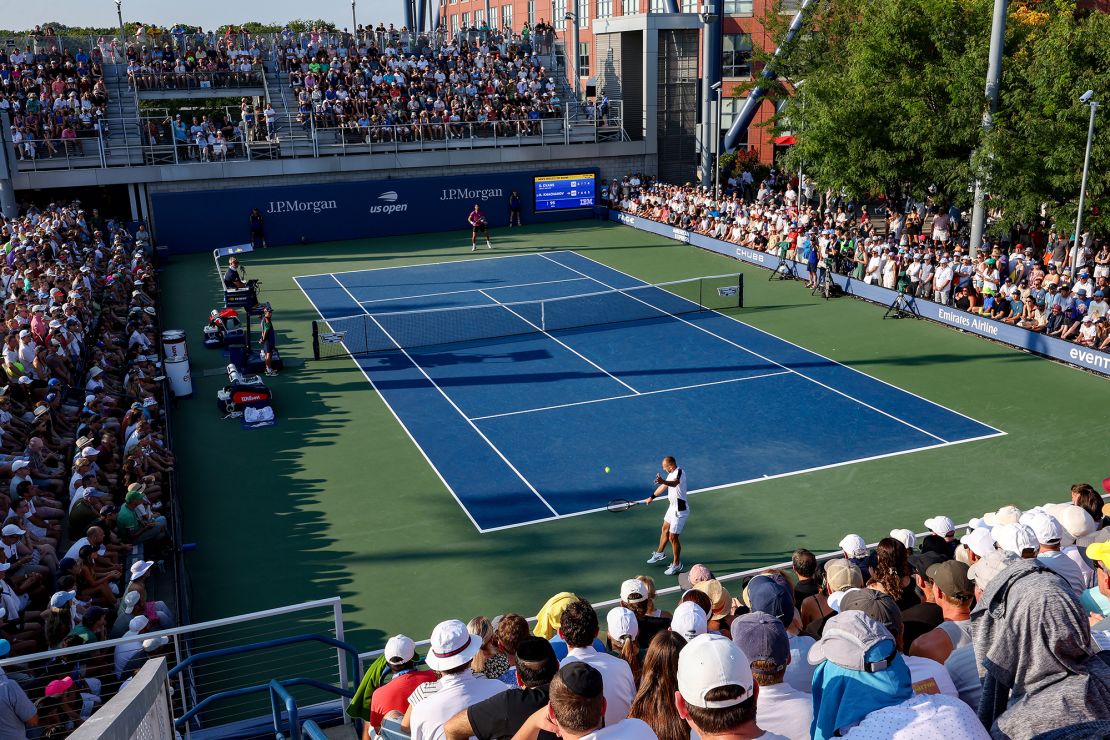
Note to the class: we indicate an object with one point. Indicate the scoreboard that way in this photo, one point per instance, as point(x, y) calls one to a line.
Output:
point(563, 192)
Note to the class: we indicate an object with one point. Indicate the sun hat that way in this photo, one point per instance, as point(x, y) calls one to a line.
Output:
point(710, 662)
point(718, 595)
point(59, 686)
point(140, 567)
point(451, 646)
point(847, 639)
point(696, 574)
point(1008, 514)
point(399, 650)
point(621, 623)
point(689, 620)
point(986, 569)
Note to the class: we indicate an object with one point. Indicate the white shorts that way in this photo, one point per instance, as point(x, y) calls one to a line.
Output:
point(676, 520)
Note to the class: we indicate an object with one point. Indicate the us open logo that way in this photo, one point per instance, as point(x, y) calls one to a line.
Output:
point(389, 204)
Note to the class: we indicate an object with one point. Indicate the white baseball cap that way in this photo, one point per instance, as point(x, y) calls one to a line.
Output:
point(905, 536)
point(940, 525)
point(1046, 528)
point(979, 541)
point(138, 624)
point(633, 590)
point(709, 662)
point(854, 546)
point(689, 620)
point(1008, 514)
point(621, 622)
point(400, 649)
point(11, 530)
point(1015, 538)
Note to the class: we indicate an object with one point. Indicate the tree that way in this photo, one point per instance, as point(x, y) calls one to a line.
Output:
point(893, 99)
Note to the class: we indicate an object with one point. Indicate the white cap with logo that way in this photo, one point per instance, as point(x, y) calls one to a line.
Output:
point(710, 662)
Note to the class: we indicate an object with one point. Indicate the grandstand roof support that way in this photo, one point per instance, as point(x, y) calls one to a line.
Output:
point(711, 45)
point(8, 206)
point(755, 96)
point(410, 15)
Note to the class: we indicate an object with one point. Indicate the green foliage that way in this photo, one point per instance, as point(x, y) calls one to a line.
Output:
point(893, 99)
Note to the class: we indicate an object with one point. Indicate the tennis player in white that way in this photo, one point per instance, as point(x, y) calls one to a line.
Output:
point(677, 513)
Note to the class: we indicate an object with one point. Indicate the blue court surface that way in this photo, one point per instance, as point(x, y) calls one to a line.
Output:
point(520, 428)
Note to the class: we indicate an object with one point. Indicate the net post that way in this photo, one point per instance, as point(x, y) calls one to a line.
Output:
point(315, 341)
point(701, 293)
point(740, 290)
point(543, 315)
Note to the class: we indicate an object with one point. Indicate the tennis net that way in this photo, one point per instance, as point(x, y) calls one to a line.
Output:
point(368, 333)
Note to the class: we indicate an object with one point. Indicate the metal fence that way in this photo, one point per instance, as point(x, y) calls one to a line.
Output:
point(211, 658)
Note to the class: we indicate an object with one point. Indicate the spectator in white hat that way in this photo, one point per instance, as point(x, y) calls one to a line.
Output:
point(622, 629)
point(979, 543)
point(781, 709)
point(126, 651)
point(689, 620)
point(906, 537)
point(579, 628)
point(1018, 539)
point(638, 595)
point(856, 552)
point(944, 528)
point(717, 695)
point(1049, 533)
point(452, 647)
point(400, 654)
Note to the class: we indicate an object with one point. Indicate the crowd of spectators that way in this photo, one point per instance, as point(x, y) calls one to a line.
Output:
point(196, 63)
point(82, 458)
point(54, 96)
point(1026, 278)
point(416, 88)
point(997, 633)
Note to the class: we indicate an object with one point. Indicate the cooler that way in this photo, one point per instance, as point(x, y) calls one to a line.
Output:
point(176, 362)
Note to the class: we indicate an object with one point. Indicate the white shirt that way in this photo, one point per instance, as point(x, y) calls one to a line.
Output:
point(784, 710)
point(626, 729)
point(923, 669)
point(677, 493)
point(125, 651)
point(799, 674)
point(616, 677)
point(456, 693)
point(1065, 567)
point(921, 716)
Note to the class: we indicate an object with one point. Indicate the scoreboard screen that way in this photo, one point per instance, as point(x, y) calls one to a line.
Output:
point(563, 192)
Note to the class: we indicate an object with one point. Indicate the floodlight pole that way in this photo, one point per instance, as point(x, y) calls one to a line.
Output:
point(718, 87)
point(119, 16)
point(1083, 190)
point(994, 75)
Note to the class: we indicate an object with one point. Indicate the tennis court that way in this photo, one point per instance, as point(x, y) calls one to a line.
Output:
point(522, 377)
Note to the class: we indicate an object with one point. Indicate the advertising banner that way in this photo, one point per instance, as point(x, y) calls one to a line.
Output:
point(208, 219)
point(1057, 349)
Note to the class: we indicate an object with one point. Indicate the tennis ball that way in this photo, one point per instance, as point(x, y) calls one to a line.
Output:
point(606, 468)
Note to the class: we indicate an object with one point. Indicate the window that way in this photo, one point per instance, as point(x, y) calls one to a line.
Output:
point(737, 61)
point(466, 20)
point(507, 16)
point(790, 6)
point(558, 14)
point(455, 23)
point(658, 6)
point(479, 18)
point(604, 8)
point(531, 12)
point(583, 11)
point(583, 59)
point(738, 7)
point(689, 6)
point(730, 108)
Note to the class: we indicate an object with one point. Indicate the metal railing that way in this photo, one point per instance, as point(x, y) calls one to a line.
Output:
point(161, 81)
point(227, 662)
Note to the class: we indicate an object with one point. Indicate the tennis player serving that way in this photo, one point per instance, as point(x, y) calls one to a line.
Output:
point(678, 510)
point(478, 222)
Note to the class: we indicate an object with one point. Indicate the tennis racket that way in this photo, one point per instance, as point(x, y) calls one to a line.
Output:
point(622, 504)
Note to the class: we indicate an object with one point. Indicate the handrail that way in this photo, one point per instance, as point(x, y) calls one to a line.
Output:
point(312, 730)
point(278, 692)
point(258, 689)
point(266, 644)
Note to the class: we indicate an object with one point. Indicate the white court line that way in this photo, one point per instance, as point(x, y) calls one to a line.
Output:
point(396, 416)
point(420, 264)
point(473, 290)
point(768, 359)
point(644, 393)
point(762, 478)
point(805, 349)
point(558, 341)
point(453, 405)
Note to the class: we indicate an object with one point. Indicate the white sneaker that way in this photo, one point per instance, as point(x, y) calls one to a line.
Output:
point(673, 569)
point(488, 245)
point(473, 247)
point(656, 557)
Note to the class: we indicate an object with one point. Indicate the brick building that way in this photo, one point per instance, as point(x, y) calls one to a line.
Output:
point(742, 31)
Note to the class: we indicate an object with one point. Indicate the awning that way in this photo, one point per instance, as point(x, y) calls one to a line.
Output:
point(787, 140)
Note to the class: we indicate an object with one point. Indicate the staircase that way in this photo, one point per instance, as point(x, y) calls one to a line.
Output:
point(125, 136)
